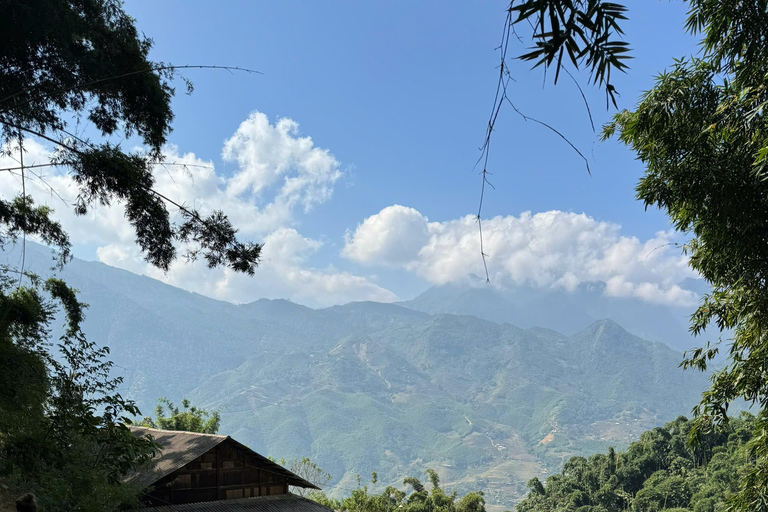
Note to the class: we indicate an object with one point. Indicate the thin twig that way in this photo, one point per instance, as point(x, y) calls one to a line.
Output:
point(42, 180)
point(583, 96)
point(675, 244)
point(76, 137)
point(500, 97)
point(123, 75)
point(24, 209)
point(485, 149)
point(542, 123)
point(65, 164)
point(191, 213)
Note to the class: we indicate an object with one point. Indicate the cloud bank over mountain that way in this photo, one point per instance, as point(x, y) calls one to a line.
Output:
point(549, 249)
point(280, 176)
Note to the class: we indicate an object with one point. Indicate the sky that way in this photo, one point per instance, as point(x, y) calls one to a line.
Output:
point(352, 156)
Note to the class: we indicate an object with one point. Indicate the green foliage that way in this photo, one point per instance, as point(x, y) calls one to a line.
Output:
point(61, 56)
point(585, 32)
point(82, 61)
point(660, 472)
point(189, 418)
point(62, 432)
point(20, 215)
point(703, 136)
point(419, 500)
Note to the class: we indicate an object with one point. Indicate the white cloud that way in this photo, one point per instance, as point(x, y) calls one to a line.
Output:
point(267, 153)
point(548, 249)
point(283, 273)
point(279, 174)
point(394, 236)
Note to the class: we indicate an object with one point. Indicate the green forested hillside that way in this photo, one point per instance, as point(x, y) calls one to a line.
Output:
point(378, 387)
point(660, 471)
point(488, 405)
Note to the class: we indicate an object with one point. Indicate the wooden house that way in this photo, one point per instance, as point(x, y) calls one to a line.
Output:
point(201, 469)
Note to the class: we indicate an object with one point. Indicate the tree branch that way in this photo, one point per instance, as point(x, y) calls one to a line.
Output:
point(124, 75)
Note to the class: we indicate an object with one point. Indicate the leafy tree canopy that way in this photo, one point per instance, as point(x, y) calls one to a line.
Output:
point(585, 33)
point(63, 431)
point(420, 499)
point(84, 60)
point(660, 472)
point(62, 421)
point(189, 418)
point(702, 134)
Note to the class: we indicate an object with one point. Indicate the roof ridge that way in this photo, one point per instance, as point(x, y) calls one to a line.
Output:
point(222, 436)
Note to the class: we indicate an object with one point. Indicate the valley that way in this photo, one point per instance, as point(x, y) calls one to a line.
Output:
point(382, 387)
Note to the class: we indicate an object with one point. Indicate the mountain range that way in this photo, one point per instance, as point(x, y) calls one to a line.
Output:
point(562, 311)
point(474, 382)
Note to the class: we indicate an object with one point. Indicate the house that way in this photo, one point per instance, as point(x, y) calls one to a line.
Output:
point(212, 472)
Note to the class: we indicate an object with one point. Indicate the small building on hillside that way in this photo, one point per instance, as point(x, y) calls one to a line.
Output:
point(211, 472)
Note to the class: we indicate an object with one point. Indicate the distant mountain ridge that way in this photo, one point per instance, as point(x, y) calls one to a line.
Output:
point(383, 387)
point(561, 310)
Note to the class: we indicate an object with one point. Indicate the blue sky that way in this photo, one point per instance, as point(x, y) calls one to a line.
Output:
point(399, 94)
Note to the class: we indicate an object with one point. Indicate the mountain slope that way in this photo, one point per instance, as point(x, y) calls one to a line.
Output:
point(369, 386)
point(560, 310)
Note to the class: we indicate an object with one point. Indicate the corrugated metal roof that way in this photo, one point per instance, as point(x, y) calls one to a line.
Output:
point(277, 503)
point(180, 448)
